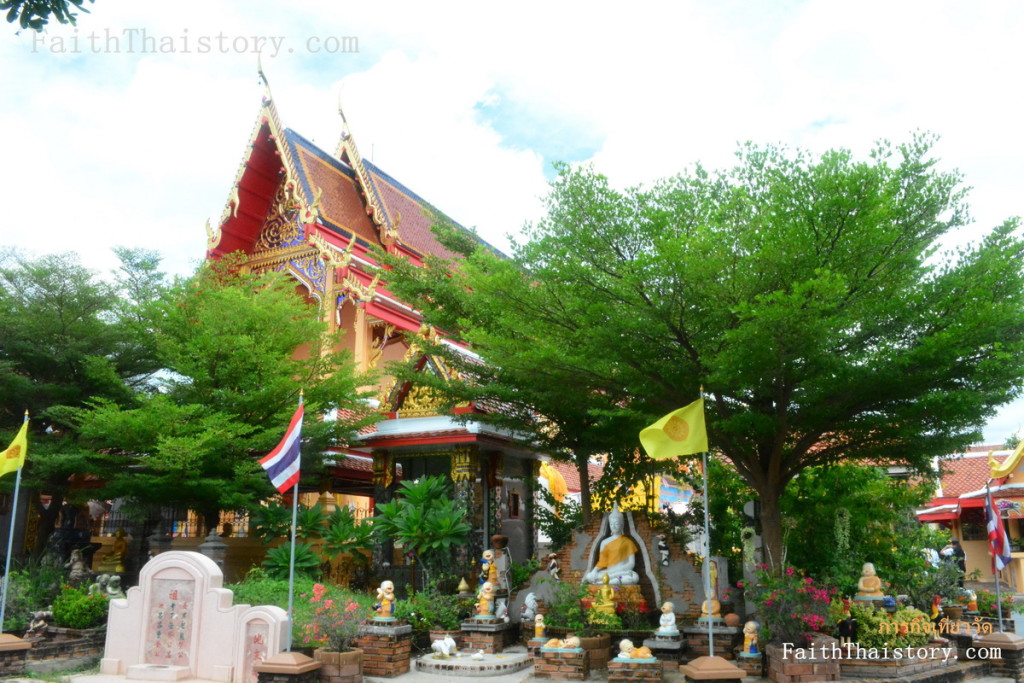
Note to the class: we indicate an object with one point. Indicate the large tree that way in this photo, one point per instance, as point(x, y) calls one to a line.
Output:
point(68, 336)
point(805, 294)
point(235, 351)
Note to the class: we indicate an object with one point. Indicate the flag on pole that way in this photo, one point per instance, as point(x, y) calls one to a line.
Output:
point(681, 432)
point(998, 543)
point(13, 458)
point(282, 464)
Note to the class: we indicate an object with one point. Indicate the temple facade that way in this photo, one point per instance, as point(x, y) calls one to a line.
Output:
point(318, 216)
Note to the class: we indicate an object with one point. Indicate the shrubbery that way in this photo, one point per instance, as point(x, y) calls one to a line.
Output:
point(75, 608)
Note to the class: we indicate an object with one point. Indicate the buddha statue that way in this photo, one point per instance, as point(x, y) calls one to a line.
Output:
point(113, 559)
point(711, 608)
point(616, 556)
point(385, 600)
point(667, 621)
point(869, 587)
point(604, 599)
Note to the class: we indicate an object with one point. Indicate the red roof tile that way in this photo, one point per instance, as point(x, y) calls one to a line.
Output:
point(968, 473)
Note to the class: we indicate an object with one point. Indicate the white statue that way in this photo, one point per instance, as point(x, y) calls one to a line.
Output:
point(667, 622)
point(444, 648)
point(617, 555)
point(529, 610)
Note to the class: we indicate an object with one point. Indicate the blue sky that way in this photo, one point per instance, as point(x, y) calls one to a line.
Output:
point(468, 103)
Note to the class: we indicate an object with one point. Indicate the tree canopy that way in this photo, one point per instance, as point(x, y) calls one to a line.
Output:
point(235, 349)
point(35, 14)
point(804, 293)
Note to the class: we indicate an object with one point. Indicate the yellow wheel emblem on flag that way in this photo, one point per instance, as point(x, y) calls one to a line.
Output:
point(677, 428)
point(14, 452)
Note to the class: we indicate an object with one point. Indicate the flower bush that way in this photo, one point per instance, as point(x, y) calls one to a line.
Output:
point(906, 627)
point(75, 608)
point(789, 605)
point(434, 609)
point(334, 622)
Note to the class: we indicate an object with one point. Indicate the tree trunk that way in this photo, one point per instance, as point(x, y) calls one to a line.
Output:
point(47, 522)
point(583, 469)
point(211, 520)
point(771, 527)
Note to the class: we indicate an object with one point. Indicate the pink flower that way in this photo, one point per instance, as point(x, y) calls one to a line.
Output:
point(789, 571)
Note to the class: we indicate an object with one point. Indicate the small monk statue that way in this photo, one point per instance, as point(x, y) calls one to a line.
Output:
point(571, 643)
point(869, 587)
point(485, 600)
point(538, 626)
point(385, 600)
point(972, 601)
point(625, 649)
point(750, 639)
point(113, 588)
point(642, 652)
point(667, 621)
point(488, 569)
point(711, 608)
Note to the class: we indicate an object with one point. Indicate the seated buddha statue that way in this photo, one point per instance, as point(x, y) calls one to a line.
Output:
point(869, 586)
point(616, 557)
point(604, 599)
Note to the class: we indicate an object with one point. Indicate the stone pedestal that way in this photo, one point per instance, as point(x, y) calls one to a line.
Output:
point(627, 670)
point(667, 649)
point(287, 667)
point(726, 639)
point(485, 634)
point(386, 649)
point(559, 663)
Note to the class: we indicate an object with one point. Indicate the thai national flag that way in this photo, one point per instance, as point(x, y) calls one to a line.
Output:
point(283, 462)
point(998, 543)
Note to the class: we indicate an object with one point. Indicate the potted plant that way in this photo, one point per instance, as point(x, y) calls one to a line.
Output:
point(332, 626)
point(567, 613)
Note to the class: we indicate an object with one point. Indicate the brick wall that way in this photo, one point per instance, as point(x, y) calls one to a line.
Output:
point(561, 664)
point(627, 672)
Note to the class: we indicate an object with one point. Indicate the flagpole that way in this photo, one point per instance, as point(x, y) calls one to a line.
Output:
point(291, 559)
point(995, 566)
point(10, 544)
point(707, 558)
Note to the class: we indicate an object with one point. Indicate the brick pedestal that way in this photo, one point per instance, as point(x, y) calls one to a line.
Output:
point(488, 635)
point(386, 649)
point(569, 664)
point(726, 639)
point(802, 665)
point(626, 671)
point(12, 656)
point(752, 666)
point(1011, 648)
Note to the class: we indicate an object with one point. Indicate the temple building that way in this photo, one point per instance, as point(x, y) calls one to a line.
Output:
point(318, 216)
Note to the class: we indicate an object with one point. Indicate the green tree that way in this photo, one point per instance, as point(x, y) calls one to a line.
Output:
point(235, 351)
point(804, 293)
point(426, 521)
point(35, 14)
point(69, 336)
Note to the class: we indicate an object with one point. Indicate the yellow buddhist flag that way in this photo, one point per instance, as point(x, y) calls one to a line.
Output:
point(681, 432)
point(13, 458)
